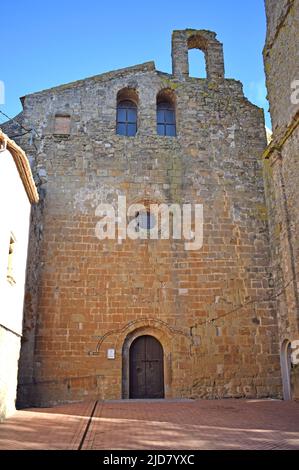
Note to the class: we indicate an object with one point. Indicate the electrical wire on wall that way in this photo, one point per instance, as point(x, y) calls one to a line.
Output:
point(31, 131)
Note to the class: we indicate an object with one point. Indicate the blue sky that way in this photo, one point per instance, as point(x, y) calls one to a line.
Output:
point(50, 43)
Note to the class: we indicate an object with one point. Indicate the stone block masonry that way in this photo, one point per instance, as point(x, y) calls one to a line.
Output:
point(281, 168)
point(211, 310)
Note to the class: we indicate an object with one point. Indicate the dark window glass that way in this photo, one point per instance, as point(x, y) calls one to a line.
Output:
point(169, 116)
point(131, 130)
point(161, 129)
point(145, 221)
point(170, 130)
point(121, 129)
point(121, 115)
point(126, 118)
point(160, 116)
point(166, 119)
point(131, 115)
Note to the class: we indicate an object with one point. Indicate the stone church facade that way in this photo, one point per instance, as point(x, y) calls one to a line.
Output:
point(111, 319)
point(105, 319)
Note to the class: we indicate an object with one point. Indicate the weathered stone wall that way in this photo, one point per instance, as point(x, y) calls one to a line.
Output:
point(13, 127)
point(92, 295)
point(282, 166)
point(282, 60)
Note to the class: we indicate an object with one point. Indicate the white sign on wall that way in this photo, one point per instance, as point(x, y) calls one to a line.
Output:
point(111, 353)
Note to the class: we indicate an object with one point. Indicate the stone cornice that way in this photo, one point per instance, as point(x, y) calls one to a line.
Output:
point(279, 141)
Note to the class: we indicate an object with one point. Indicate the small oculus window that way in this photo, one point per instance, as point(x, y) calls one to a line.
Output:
point(145, 221)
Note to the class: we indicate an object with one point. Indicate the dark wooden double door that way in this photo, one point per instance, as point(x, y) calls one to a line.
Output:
point(146, 368)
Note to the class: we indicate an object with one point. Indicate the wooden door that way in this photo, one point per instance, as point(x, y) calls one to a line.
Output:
point(146, 368)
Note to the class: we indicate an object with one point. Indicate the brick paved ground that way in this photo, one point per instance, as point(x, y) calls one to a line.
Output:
point(223, 424)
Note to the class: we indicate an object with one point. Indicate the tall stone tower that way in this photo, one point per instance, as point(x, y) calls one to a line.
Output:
point(149, 318)
point(281, 57)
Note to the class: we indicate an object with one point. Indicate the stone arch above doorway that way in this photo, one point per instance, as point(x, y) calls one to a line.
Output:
point(164, 339)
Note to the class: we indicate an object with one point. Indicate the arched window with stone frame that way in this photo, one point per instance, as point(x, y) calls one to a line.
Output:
point(127, 112)
point(166, 116)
